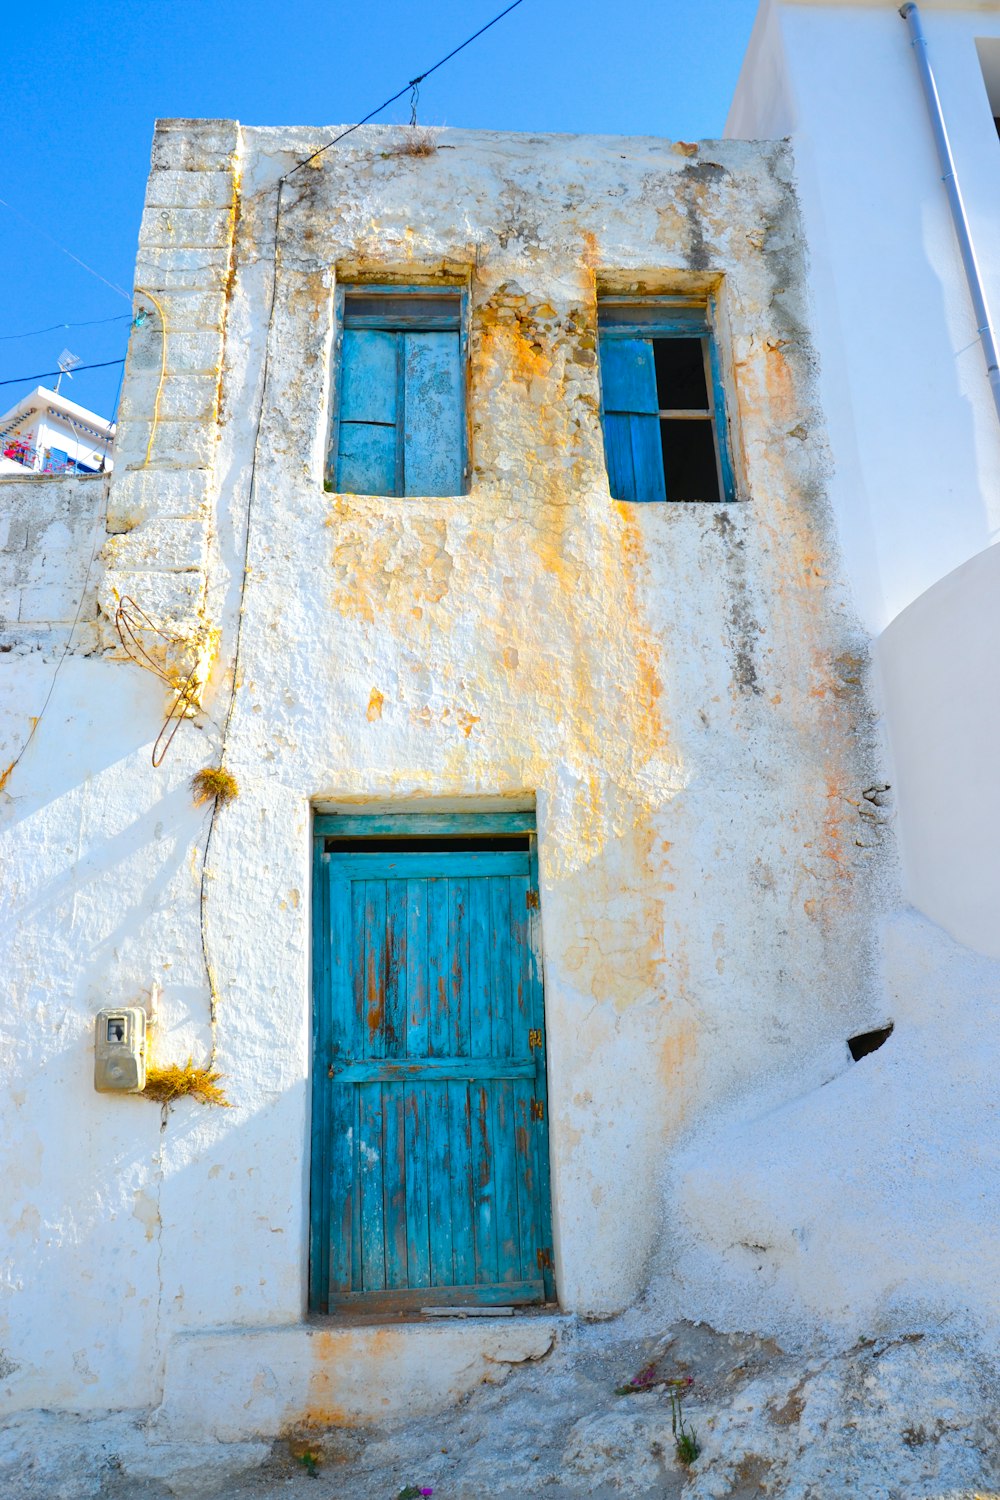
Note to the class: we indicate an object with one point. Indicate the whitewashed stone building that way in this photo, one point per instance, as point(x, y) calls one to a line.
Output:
point(562, 868)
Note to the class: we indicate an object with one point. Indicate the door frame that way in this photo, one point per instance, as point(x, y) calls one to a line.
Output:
point(423, 828)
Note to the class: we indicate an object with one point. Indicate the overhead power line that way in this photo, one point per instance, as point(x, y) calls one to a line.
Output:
point(405, 89)
point(104, 364)
point(54, 327)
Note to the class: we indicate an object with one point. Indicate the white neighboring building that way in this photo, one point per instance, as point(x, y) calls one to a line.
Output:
point(47, 433)
point(913, 427)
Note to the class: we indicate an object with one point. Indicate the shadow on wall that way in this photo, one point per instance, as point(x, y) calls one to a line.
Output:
point(145, 1230)
point(100, 713)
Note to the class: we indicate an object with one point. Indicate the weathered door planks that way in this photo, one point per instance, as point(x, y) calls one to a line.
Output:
point(430, 1146)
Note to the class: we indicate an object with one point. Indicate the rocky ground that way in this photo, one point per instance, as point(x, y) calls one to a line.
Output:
point(911, 1417)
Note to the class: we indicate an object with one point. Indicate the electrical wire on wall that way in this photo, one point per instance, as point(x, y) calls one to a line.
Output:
point(411, 87)
point(6, 774)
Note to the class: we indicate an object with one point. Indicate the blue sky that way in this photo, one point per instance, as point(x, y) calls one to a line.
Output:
point(80, 103)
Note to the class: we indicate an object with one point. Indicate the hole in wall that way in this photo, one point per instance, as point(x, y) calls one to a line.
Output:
point(869, 1041)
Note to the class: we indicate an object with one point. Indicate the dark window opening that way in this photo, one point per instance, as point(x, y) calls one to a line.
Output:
point(690, 471)
point(420, 843)
point(680, 375)
point(869, 1041)
point(663, 407)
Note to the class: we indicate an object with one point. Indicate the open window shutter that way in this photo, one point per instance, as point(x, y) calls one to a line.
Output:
point(432, 402)
point(366, 455)
point(631, 419)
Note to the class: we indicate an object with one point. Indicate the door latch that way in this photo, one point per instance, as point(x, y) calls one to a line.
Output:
point(534, 1039)
point(537, 1109)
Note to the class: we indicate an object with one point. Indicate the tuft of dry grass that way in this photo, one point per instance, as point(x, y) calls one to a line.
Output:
point(415, 143)
point(180, 1080)
point(214, 783)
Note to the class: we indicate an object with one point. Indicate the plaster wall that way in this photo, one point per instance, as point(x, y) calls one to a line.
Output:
point(50, 533)
point(911, 421)
point(679, 690)
point(937, 665)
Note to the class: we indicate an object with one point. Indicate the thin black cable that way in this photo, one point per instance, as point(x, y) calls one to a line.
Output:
point(113, 422)
point(48, 374)
point(411, 85)
point(252, 490)
point(213, 991)
point(54, 327)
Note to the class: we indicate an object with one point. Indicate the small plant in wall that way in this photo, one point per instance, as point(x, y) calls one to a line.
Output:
point(685, 1438)
point(184, 1080)
point(686, 1447)
point(214, 784)
point(310, 1461)
point(414, 1492)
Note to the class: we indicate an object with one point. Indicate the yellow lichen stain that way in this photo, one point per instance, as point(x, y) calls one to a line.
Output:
point(672, 227)
point(333, 1356)
point(375, 702)
point(613, 908)
point(676, 1050)
point(676, 1067)
point(380, 570)
point(779, 383)
point(833, 831)
point(146, 1210)
point(591, 256)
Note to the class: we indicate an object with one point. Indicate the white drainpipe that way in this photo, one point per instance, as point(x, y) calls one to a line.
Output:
point(911, 15)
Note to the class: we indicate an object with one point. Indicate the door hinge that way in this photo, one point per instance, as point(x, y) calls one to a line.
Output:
point(544, 1259)
point(531, 900)
point(534, 1040)
point(537, 1109)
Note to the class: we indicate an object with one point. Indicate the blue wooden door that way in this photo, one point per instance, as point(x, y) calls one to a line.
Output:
point(430, 1145)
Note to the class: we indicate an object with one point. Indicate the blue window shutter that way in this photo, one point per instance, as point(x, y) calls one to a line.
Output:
point(368, 376)
point(366, 456)
point(366, 459)
point(631, 421)
point(432, 402)
point(628, 375)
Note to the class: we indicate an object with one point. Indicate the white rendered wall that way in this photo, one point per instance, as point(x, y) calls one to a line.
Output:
point(913, 429)
point(941, 685)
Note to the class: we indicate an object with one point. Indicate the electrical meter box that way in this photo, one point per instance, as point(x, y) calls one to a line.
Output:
point(120, 1051)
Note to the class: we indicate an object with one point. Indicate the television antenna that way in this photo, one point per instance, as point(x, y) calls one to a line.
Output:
point(67, 362)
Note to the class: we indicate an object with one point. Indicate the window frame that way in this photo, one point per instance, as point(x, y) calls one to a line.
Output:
point(663, 317)
point(403, 320)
